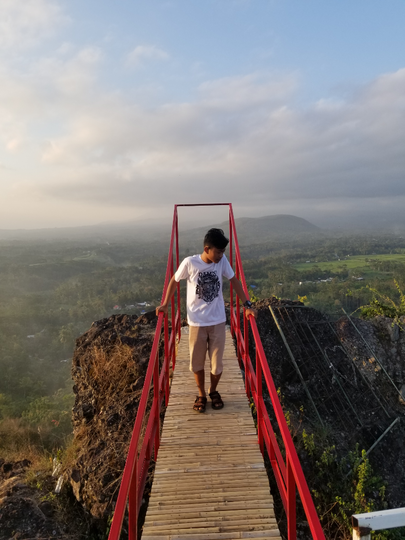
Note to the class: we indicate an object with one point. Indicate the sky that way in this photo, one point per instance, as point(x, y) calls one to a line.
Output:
point(116, 110)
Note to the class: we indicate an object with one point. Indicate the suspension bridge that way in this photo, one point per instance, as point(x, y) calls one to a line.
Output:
point(210, 481)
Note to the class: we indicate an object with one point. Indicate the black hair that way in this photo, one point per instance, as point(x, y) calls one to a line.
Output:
point(215, 238)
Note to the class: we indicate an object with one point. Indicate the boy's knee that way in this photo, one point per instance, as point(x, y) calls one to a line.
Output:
point(196, 371)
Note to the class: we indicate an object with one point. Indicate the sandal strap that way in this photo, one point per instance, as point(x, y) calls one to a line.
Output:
point(200, 403)
point(217, 402)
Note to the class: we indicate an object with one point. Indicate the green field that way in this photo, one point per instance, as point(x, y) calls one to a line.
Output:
point(356, 262)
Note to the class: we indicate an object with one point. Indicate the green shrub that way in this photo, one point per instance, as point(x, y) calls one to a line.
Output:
point(384, 306)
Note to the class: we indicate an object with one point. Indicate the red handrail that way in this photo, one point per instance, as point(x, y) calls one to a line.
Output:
point(136, 467)
point(288, 473)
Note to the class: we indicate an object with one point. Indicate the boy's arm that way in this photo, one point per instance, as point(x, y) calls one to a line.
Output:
point(164, 308)
point(237, 285)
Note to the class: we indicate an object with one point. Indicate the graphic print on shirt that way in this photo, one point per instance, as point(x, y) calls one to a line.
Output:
point(208, 286)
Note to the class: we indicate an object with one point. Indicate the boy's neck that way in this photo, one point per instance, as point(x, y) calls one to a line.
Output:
point(205, 258)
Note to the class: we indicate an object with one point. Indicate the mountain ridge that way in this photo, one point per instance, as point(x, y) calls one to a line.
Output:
point(250, 229)
point(258, 230)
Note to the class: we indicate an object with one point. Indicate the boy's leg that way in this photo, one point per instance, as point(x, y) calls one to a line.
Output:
point(198, 351)
point(200, 381)
point(214, 382)
point(216, 347)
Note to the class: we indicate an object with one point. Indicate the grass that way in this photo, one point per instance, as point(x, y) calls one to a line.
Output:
point(361, 262)
point(18, 441)
point(94, 257)
point(111, 372)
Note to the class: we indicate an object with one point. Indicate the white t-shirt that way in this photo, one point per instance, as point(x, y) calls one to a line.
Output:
point(205, 303)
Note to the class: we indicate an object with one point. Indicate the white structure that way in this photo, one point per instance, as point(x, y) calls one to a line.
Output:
point(363, 524)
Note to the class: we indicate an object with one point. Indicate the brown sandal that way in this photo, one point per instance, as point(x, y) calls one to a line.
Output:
point(200, 403)
point(217, 402)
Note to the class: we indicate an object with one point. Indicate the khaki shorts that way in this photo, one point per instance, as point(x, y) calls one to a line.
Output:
point(203, 339)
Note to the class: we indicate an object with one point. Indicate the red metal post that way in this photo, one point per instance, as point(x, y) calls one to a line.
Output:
point(231, 263)
point(171, 354)
point(133, 505)
point(246, 342)
point(156, 400)
point(291, 503)
point(178, 285)
point(272, 454)
point(237, 321)
point(259, 401)
point(167, 354)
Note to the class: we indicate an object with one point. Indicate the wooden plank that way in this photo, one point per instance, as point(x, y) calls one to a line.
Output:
point(215, 507)
point(217, 522)
point(198, 498)
point(218, 536)
point(215, 449)
point(229, 514)
point(190, 460)
point(218, 529)
point(177, 439)
point(212, 526)
point(213, 499)
point(207, 490)
point(243, 458)
point(219, 476)
point(209, 486)
point(205, 494)
point(212, 467)
point(206, 451)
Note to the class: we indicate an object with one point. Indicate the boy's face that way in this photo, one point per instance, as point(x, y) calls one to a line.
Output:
point(214, 254)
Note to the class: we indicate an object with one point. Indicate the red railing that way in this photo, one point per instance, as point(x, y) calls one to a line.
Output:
point(288, 472)
point(140, 452)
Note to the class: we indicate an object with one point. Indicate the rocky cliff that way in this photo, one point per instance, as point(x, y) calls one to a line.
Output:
point(354, 385)
point(108, 369)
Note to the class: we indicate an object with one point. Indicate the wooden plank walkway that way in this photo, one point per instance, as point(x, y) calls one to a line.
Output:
point(210, 482)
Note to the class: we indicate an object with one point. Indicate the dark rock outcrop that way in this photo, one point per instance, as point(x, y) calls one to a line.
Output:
point(354, 372)
point(24, 513)
point(109, 366)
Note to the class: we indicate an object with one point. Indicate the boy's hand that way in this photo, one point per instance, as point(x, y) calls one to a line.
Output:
point(162, 309)
point(251, 311)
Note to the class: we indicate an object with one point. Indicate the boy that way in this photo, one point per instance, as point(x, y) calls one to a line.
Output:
point(206, 311)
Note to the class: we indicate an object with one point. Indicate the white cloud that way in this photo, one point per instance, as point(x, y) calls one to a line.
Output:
point(25, 22)
point(13, 144)
point(38, 103)
point(71, 76)
point(344, 150)
point(143, 53)
point(242, 139)
point(248, 91)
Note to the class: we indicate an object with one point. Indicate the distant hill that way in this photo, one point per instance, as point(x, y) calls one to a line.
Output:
point(259, 230)
point(141, 231)
point(250, 231)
